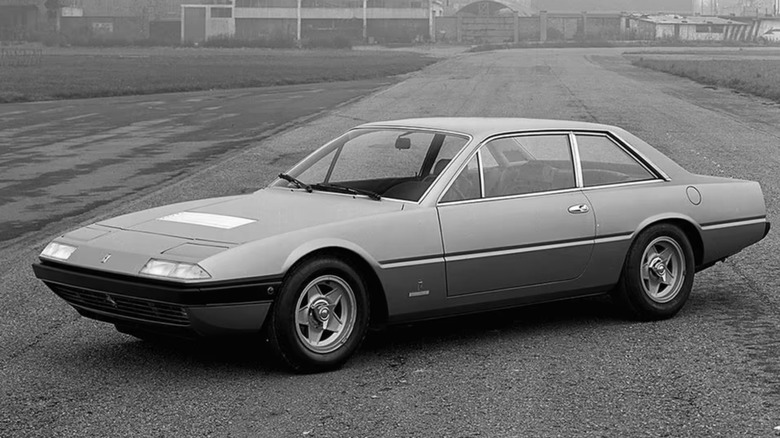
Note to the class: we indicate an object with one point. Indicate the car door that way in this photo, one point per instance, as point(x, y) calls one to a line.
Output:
point(514, 217)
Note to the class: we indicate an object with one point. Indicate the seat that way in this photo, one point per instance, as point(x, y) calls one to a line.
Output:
point(531, 177)
point(438, 168)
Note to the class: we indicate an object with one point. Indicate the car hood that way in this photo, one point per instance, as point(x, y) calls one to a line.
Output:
point(245, 218)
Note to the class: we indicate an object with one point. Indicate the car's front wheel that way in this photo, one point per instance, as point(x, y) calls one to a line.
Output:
point(658, 273)
point(320, 316)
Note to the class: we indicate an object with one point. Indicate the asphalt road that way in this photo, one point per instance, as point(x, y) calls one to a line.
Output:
point(565, 369)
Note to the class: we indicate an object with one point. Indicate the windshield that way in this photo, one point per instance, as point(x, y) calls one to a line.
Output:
point(393, 163)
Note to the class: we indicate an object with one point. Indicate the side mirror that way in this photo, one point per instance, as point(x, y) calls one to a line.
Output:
point(402, 143)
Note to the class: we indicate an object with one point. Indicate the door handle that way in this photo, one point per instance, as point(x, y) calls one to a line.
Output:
point(579, 208)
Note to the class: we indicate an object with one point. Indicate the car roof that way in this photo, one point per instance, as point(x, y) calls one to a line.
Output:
point(480, 128)
point(486, 126)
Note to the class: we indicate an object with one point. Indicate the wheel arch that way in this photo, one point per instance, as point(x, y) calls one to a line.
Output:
point(687, 226)
point(353, 257)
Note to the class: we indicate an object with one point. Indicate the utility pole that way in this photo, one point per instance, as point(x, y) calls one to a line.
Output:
point(298, 24)
point(431, 30)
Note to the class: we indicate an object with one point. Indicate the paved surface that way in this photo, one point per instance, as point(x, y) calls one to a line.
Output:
point(566, 369)
point(59, 160)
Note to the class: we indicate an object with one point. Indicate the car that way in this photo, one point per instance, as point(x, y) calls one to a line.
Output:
point(408, 220)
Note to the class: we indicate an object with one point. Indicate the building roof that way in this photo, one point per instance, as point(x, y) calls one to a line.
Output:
point(685, 19)
point(612, 6)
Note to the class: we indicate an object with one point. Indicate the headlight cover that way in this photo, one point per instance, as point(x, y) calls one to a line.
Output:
point(58, 251)
point(171, 269)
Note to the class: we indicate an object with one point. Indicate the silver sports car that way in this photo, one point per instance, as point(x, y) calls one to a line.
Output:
point(408, 220)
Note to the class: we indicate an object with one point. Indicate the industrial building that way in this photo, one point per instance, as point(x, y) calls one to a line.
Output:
point(392, 21)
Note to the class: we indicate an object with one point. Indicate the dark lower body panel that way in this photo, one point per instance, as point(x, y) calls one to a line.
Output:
point(168, 308)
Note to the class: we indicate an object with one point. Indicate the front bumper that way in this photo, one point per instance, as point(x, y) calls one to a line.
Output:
point(166, 307)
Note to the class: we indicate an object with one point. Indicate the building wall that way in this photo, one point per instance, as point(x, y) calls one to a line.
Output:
point(488, 29)
point(446, 29)
point(665, 31)
point(529, 28)
point(20, 22)
point(769, 30)
point(266, 28)
point(562, 28)
point(701, 32)
point(219, 26)
point(332, 4)
point(603, 28)
point(329, 28)
point(641, 30)
point(397, 31)
point(125, 28)
point(333, 13)
point(151, 9)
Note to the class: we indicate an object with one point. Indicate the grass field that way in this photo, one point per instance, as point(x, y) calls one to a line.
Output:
point(82, 74)
point(760, 77)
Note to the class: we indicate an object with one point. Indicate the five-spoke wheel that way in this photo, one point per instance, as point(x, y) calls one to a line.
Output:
point(326, 314)
point(658, 273)
point(662, 269)
point(320, 316)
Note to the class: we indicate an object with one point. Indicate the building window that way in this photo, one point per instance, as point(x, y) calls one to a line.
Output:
point(221, 13)
point(702, 28)
point(717, 28)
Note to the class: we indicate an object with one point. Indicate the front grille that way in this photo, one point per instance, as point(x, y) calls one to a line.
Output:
point(121, 305)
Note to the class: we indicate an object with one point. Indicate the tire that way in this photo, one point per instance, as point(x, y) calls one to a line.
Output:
point(320, 316)
point(657, 275)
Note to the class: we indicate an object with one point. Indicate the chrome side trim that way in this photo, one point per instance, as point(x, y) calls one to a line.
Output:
point(575, 148)
point(481, 173)
point(612, 239)
point(406, 264)
point(632, 183)
point(737, 223)
point(642, 157)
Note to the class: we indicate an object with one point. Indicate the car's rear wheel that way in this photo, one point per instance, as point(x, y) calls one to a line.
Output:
point(658, 273)
point(320, 316)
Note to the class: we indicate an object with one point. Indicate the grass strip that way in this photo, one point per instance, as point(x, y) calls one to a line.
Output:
point(78, 75)
point(753, 76)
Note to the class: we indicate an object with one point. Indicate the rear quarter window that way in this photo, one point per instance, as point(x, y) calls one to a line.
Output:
point(605, 162)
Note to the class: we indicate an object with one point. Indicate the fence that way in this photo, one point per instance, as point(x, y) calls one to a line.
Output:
point(14, 57)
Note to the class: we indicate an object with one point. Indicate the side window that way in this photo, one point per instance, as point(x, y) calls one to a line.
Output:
point(604, 162)
point(466, 185)
point(528, 164)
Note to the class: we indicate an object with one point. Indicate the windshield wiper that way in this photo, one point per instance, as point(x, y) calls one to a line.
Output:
point(344, 189)
point(296, 181)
